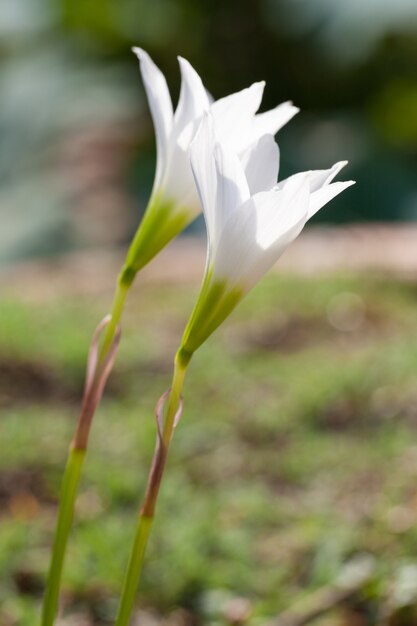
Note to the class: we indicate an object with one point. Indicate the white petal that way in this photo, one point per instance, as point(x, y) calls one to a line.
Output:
point(286, 236)
point(261, 164)
point(243, 103)
point(160, 105)
point(204, 171)
point(192, 103)
point(232, 186)
point(234, 114)
point(279, 209)
point(210, 97)
point(272, 121)
point(236, 249)
point(178, 183)
point(255, 236)
point(320, 178)
point(220, 180)
point(322, 196)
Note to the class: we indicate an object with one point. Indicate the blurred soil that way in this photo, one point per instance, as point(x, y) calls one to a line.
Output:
point(305, 475)
point(318, 250)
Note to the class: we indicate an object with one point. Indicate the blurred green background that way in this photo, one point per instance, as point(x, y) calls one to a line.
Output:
point(77, 144)
point(296, 461)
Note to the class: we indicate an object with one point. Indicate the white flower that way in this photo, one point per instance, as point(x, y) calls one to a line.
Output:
point(174, 202)
point(250, 220)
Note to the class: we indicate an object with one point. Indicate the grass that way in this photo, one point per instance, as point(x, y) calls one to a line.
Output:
point(296, 452)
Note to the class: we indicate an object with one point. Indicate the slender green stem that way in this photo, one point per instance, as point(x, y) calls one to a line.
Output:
point(95, 382)
point(149, 239)
point(77, 453)
point(134, 569)
point(160, 224)
point(118, 305)
point(78, 449)
point(66, 509)
point(146, 516)
point(180, 369)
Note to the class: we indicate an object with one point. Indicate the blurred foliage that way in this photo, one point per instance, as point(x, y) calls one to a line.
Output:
point(66, 66)
point(395, 113)
point(295, 455)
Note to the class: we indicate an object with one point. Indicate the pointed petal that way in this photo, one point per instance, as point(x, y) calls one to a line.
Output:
point(233, 116)
point(219, 177)
point(204, 171)
point(261, 164)
point(255, 236)
point(232, 186)
point(320, 178)
point(160, 106)
point(210, 97)
point(243, 103)
point(192, 103)
point(317, 178)
point(322, 196)
point(279, 209)
point(280, 221)
point(236, 248)
point(272, 121)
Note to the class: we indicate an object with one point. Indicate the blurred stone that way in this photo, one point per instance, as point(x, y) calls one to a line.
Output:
point(179, 617)
point(401, 609)
point(23, 506)
point(237, 610)
point(401, 518)
point(346, 312)
point(146, 618)
point(213, 603)
point(386, 402)
point(76, 619)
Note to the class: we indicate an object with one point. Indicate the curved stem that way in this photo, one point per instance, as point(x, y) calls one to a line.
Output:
point(68, 494)
point(140, 252)
point(96, 377)
point(147, 512)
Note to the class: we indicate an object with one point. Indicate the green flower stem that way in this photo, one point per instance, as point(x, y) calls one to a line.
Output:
point(147, 512)
point(68, 494)
point(134, 570)
point(118, 306)
point(157, 228)
point(78, 450)
point(160, 224)
point(96, 378)
point(162, 221)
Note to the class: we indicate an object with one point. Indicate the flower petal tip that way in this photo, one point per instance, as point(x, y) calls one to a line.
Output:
point(291, 104)
point(335, 169)
point(139, 52)
point(185, 66)
point(182, 61)
point(258, 86)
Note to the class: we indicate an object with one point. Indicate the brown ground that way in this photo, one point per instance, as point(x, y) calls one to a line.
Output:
point(386, 248)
